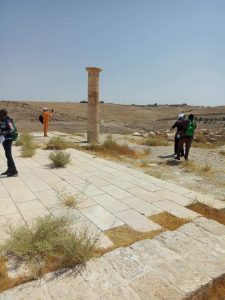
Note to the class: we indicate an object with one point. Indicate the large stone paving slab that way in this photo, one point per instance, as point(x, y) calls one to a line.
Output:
point(101, 217)
point(137, 221)
point(176, 210)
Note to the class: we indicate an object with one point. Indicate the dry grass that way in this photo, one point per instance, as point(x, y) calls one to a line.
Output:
point(3, 272)
point(156, 141)
point(208, 212)
point(206, 170)
point(189, 166)
point(60, 158)
point(67, 199)
point(48, 245)
point(24, 139)
point(222, 152)
point(168, 221)
point(28, 146)
point(58, 143)
point(112, 149)
point(204, 145)
point(203, 171)
point(124, 236)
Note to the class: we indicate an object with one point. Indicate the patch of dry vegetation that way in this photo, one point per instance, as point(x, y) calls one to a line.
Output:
point(48, 245)
point(124, 236)
point(28, 145)
point(155, 141)
point(203, 140)
point(203, 171)
point(67, 199)
point(168, 221)
point(222, 152)
point(189, 166)
point(60, 158)
point(112, 149)
point(208, 212)
point(58, 143)
point(204, 145)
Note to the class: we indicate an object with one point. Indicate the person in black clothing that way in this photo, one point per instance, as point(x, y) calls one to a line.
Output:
point(189, 127)
point(177, 125)
point(6, 129)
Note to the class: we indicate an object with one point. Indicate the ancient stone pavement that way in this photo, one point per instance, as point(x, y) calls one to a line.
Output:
point(170, 266)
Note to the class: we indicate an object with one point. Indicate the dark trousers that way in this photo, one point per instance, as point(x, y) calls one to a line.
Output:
point(176, 142)
point(187, 140)
point(7, 145)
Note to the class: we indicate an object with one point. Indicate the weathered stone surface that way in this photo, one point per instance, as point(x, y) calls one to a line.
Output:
point(170, 265)
point(213, 242)
point(137, 221)
point(100, 276)
point(119, 293)
point(151, 286)
point(193, 252)
point(211, 226)
point(125, 262)
point(141, 206)
point(110, 203)
point(176, 210)
point(174, 196)
point(101, 217)
point(144, 194)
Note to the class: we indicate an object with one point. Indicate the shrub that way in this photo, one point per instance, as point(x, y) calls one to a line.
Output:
point(28, 151)
point(57, 143)
point(111, 148)
point(28, 146)
point(49, 244)
point(206, 170)
point(67, 199)
point(24, 139)
point(60, 158)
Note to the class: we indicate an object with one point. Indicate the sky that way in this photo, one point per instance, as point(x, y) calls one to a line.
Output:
point(151, 51)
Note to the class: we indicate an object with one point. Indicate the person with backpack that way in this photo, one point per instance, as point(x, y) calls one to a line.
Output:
point(177, 125)
point(45, 119)
point(187, 136)
point(8, 130)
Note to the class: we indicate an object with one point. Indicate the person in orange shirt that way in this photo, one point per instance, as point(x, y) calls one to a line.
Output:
point(46, 116)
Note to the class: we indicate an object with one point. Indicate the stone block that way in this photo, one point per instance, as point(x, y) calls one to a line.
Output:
point(141, 206)
point(153, 286)
point(110, 203)
point(176, 210)
point(101, 217)
point(136, 221)
point(116, 192)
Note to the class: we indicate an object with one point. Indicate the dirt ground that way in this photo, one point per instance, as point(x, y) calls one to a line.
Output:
point(203, 173)
point(114, 118)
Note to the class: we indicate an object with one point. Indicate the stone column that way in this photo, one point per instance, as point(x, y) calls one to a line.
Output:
point(93, 104)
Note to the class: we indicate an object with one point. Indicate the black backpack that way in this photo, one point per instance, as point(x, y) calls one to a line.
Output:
point(41, 119)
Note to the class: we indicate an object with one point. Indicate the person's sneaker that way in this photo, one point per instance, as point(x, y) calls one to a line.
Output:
point(6, 172)
point(177, 158)
point(12, 174)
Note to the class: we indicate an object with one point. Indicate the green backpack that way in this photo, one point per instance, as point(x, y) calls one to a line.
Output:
point(15, 133)
point(191, 128)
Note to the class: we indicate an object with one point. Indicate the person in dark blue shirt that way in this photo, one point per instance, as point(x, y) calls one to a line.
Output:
point(6, 130)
